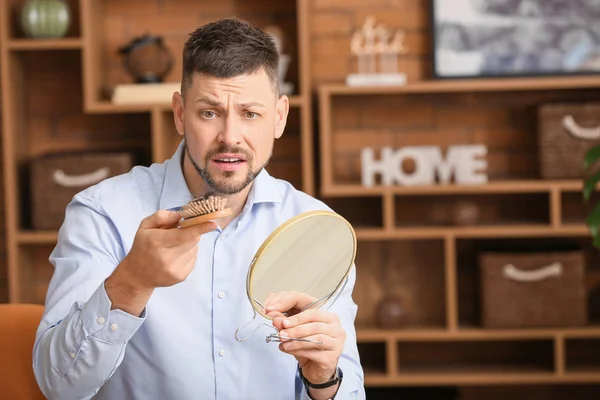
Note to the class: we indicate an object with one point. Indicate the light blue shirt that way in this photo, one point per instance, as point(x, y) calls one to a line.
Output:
point(182, 346)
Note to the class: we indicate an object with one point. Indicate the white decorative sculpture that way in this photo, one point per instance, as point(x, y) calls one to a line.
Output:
point(466, 163)
point(374, 42)
point(278, 36)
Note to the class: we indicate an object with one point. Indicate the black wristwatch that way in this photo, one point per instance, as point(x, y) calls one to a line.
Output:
point(335, 379)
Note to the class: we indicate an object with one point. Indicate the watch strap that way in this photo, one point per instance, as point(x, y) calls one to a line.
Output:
point(335, 379)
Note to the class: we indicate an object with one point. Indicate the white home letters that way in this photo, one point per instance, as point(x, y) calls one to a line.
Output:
point(466, 163)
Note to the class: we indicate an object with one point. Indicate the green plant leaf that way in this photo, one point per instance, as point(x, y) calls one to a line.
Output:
point(596, 241)
point(593, 220)
point(590, 185)
point(591, 156)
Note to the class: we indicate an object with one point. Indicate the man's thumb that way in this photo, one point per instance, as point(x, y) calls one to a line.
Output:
point(160, 219)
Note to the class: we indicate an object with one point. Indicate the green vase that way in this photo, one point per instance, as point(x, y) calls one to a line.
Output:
point(45, 18)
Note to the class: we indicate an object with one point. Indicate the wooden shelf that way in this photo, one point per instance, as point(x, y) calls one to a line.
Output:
point(474, 378)
point(474, 232)
point(44, 44)
point(107, 107)
point(37, 237)
point(508, 186)
point(471, 85)
point(382, 335)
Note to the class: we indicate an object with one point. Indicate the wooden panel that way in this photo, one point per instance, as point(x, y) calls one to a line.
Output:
point(413, 271)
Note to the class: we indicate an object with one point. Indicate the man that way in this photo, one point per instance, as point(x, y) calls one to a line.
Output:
point(140, 309)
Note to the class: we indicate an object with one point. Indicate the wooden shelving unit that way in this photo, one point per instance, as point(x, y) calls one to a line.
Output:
point(54, 99)
point(411, 245)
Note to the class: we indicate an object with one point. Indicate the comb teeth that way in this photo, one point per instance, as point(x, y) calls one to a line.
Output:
point(202, 206)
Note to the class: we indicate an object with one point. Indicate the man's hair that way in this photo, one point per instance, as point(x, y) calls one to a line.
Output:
point(228, 48)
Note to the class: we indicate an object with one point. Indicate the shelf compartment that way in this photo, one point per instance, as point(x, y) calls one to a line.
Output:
point(12, 10)
point(364, 212)
point(574, 209)
point(373, 357)
point(412, 272)
point(469, 277)
point(477, 357)
point(111, 28)
point(43, 126)
point(505, 122)
point(472, 210)
point(582, 355)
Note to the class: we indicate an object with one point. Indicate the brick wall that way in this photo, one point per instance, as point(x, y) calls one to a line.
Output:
point(334, 21)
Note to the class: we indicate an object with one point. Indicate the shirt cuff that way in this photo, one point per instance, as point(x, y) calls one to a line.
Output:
point(113, 326)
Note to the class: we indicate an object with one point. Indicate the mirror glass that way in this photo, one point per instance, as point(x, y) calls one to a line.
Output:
point(311, 253)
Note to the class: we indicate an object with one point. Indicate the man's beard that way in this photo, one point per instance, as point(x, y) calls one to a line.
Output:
point(227, 187)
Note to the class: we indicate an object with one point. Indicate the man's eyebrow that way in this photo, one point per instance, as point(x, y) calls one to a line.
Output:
point(208, 101)
point(215, 103)
point(252, 104)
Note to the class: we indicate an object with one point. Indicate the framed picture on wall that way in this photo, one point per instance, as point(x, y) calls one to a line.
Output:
point(485, 38)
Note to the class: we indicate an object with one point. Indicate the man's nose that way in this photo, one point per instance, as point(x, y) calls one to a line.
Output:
point(230, 134)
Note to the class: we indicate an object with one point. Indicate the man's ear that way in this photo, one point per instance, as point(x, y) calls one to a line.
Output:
point(282, 110)
point(177, 104)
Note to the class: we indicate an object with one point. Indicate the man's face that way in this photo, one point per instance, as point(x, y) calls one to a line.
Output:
point(230, 125)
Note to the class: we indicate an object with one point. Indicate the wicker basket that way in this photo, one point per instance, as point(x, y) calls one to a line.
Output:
point(56, 178)
point(566, 132)
point(533, 289)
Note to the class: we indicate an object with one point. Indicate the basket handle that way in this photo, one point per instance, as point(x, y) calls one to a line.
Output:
point(580, 132)
point(512, 272)
point(86, 180)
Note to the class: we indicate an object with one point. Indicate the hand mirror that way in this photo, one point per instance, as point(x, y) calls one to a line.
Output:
point(312, 253)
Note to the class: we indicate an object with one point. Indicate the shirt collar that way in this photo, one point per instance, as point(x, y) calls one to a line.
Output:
point(265, 188)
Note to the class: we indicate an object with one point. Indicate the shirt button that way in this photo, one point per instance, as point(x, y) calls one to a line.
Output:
point(114, 327)
point(72, 354)
point(222, 352)
point(222, 237)
point(221, 295)
point(100, 320)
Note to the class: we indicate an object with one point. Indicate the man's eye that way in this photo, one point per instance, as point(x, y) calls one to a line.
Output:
point(207, 114)
point(251, 115)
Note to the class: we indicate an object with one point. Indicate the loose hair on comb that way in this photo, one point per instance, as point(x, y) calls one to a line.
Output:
point(202, 209)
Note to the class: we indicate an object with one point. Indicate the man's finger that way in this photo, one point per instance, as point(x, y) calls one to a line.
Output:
point(186, 236)
point(285, 301)
point(160, 219)
point(312, 315)
point(310, 329)
point(318, 342)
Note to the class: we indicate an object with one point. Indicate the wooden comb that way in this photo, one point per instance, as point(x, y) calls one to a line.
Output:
point(201, 210)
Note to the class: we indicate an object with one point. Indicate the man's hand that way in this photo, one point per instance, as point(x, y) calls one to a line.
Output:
point(318, 361)
point(161, 255)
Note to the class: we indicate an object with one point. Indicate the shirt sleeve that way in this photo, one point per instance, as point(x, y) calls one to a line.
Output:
point(352, 386)
point(80, 341)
